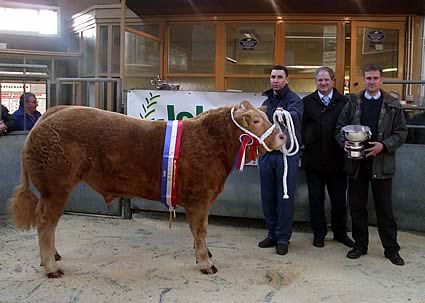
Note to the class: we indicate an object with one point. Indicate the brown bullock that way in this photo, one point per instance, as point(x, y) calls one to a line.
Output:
point(121, 156)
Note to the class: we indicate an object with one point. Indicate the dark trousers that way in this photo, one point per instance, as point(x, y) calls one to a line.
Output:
point(358, 195)
point(336, 184)
point(278, 212)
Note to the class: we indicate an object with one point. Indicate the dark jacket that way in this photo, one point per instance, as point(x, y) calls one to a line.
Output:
point(8, 119)
point(290, 102)
point(321, 150)
point(29, 120)
point(392, 131)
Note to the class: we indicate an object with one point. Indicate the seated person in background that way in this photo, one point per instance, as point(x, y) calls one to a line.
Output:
point(7, 121)
point(27, 114)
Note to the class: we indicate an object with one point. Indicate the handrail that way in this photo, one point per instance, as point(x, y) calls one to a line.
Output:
point(396, 81)
point(43, 75)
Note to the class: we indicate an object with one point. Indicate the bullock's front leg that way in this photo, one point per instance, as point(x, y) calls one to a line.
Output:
point(198, 221)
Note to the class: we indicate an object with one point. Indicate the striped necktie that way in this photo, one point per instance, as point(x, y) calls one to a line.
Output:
point(326, 100)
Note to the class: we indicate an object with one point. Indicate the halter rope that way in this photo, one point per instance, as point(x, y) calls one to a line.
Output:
point(278, 117)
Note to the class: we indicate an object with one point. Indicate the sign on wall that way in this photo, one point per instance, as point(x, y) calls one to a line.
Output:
point(172, 105)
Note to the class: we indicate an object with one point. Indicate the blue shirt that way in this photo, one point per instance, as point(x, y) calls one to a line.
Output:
point(30, 120)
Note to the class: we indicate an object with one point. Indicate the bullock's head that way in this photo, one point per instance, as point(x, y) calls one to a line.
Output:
point(256, 122)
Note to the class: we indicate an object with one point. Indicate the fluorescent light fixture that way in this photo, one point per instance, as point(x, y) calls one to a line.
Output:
point(302, 66)
point(391, 69)
point(231, 60)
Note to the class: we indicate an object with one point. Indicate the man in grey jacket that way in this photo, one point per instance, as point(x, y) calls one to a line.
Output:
point(384, 115)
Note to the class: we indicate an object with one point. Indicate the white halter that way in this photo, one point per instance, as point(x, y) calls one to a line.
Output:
point(260, 139)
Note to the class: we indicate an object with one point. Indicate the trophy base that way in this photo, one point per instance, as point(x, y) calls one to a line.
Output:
point(355, 154)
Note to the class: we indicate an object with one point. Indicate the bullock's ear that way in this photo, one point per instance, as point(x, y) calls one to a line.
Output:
point(245, 122)
point(246, 104)
point(263, 108)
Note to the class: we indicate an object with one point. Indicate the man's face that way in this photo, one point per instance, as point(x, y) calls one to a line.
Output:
point(31, 105)
point(373, 81)
point(324, 83)
point(278, 80)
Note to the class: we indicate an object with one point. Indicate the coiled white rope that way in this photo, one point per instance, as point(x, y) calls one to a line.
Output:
point(282, 116)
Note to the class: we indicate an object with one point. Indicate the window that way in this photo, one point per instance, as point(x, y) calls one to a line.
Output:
point(192, 48)
point(309, 46)
point(249, 48)
point(26, 19)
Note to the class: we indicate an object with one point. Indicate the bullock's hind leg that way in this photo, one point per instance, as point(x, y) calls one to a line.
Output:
point(198, 221)
point(51, 208)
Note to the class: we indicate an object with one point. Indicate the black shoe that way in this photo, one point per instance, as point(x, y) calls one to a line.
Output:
point(355, 253)
point(266, 243)
point(319, 242)
point(395, 259)
point(281, 249)
point(344, 239)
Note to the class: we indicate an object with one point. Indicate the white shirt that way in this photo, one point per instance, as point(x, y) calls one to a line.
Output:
point(329, 96)
point(376, 97)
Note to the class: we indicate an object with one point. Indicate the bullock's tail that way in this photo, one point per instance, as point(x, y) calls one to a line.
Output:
point(23, 204)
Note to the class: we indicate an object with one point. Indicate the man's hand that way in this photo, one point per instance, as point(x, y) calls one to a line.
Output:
point(3, 127)
point(375, 149)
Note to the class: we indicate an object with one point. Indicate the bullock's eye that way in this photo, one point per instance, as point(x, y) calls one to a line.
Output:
point(256, 121)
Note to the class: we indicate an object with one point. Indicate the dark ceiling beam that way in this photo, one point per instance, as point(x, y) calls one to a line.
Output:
point(276, 7)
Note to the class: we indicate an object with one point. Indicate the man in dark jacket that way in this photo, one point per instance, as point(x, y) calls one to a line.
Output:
point(7, 121)
point(384, 115)
point(279, 212)
point(323, 158)
point(27, 114)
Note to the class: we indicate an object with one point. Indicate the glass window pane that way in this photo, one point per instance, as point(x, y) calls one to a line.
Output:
point(309, 46)
point(116, 49)
point(248, 84)
point(89, 42)
point(192, 48)
point(74, 43)
point(151, 29)
point(103, 49)
point(302, 85)
point(142, 56)
point(138, 83)
point(249, 48)
point(378, 46)
point(66, 68)
point(197, 84)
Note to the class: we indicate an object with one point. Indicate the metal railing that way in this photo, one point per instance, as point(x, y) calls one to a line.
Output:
point(24, 73)
point(73, 81)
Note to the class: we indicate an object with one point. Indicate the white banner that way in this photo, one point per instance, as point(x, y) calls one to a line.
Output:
point(172, 105)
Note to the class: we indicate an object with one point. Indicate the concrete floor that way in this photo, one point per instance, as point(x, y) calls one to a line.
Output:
point(114, 260)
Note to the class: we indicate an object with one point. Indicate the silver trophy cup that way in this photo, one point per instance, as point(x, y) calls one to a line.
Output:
point(355, 136)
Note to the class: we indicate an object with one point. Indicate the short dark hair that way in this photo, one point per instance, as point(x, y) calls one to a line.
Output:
point(372, 67)
point(25, 97)
point(281, 67)
point(325, 69)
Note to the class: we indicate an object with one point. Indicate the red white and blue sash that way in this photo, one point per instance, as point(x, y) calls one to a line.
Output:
point(170, 158)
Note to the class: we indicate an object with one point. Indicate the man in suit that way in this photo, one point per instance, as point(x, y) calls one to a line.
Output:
point(323, 158)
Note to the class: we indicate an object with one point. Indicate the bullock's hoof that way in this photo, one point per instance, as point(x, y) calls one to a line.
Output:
point(209, 270)
point(58, 257)
point(209, 254)
point(57, 274)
